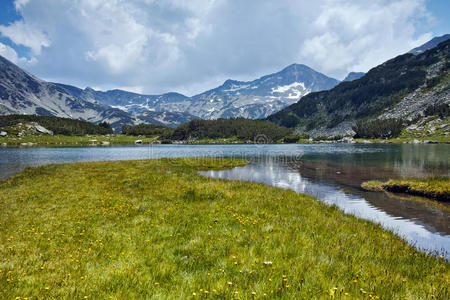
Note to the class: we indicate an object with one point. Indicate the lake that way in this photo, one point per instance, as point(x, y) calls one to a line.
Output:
point(331, 172)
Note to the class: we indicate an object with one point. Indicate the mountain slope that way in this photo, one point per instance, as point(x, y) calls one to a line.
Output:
point(127, 101)
point(353, 76)
point(406, 85)
point(23, 93)
point(254, 99)
point(430, 44)
point(261, 97)
point(150, 109)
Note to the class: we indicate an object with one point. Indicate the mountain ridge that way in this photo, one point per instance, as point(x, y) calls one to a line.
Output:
point(407, 85)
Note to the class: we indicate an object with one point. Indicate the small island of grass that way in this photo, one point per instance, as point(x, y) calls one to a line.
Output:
point(437, 188)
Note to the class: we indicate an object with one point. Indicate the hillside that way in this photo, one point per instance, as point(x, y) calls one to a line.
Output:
point(261, 97)
point(23, 93)
point(403, 87)
point(65, 126)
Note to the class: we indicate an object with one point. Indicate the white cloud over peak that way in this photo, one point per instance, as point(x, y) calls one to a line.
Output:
point(21, 33)
point(190, 46)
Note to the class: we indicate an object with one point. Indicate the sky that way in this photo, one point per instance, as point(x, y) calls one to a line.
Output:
point(189, 46)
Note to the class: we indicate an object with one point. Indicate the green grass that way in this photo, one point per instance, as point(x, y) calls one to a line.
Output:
point(64, 140)
point(437, 188)
point(156, 229)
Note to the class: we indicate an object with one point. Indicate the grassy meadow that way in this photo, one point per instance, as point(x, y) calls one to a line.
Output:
point(155, 229)
point(84, 140)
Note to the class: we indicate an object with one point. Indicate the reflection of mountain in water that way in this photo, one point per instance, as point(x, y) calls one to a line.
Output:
point(420, 223)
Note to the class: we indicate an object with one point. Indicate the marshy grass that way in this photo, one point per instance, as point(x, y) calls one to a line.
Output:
point(156, 229)
point(437, 188)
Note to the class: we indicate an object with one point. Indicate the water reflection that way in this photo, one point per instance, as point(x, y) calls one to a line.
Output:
point(421, 224)
point(331, 172)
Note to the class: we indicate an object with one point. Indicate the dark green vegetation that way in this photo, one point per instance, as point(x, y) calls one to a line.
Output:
point(243, 129)
point(63, 126)
point(147, 130)
point(157, 229)
point(443, 110)
point(381, 88)
point(376, 129)
point(437, 188)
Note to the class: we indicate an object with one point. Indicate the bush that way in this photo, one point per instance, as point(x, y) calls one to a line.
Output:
point(241, 128)
point(146, 129)
point(63, 126)
point(378, 128)
point(441, 110)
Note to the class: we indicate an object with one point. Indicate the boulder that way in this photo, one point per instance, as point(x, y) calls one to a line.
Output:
point(44, 130)
point(3, 133)
point(137, 142)
point(105, 143)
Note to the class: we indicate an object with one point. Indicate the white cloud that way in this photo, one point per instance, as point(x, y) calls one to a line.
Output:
point(27, 35)
point(189, 46)
point(20, 3)
point(358, 35)
point(11, 54)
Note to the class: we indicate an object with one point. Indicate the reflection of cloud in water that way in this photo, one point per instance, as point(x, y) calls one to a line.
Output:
point(277, 175)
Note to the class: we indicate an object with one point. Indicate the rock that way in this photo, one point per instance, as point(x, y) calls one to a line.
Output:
point(3, 133)
point(415, 141)
point(105, 143)
point(366, 142)
point(138, 142)
point(348, 140)
point(44, 130)
point(92, 141)
point(4, 144)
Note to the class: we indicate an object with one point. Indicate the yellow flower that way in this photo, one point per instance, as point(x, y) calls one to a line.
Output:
point(331, 292)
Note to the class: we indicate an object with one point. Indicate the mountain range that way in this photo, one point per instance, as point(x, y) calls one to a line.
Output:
point(23, 93)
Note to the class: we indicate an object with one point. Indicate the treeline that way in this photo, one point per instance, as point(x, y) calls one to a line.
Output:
point(241, 128)
point(374, 129)
point(146, 129)
point(63, 126)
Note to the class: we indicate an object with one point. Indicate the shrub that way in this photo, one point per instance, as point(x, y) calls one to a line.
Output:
point(378, 128)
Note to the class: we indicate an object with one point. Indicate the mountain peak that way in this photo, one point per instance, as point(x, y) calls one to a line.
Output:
point(297, 67)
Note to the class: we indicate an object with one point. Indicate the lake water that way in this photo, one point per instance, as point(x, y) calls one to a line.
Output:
point(331, 172)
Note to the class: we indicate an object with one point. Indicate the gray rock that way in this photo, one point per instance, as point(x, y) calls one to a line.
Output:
point(3, 133)
point(105, 143)
point(44, 130)
point(138, 142)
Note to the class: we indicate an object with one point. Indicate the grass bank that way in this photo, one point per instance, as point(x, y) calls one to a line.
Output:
point(437, 188)
point(65, 140)
point(156, 229)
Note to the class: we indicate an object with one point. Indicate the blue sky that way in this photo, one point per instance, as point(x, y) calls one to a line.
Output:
point(190, 46)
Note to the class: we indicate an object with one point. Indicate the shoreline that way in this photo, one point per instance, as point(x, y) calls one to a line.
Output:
point(109, 140)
